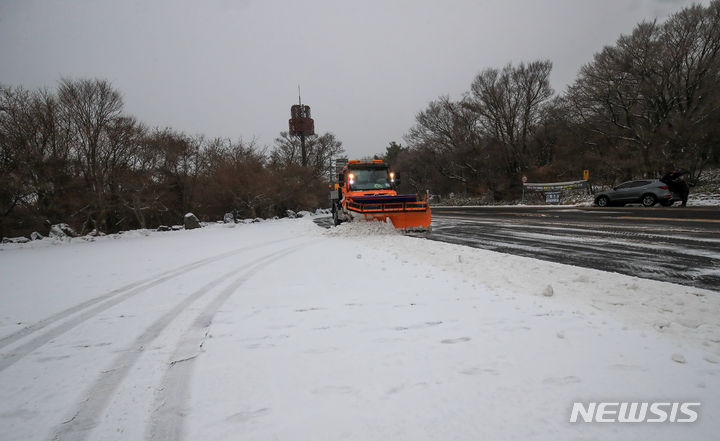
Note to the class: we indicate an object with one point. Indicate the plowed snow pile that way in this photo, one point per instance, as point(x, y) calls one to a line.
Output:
point(355, 229)
point(283, 330)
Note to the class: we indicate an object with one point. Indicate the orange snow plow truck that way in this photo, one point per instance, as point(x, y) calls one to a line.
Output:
point(368, 190)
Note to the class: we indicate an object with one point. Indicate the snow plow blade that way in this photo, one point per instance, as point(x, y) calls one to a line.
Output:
point(404, 211)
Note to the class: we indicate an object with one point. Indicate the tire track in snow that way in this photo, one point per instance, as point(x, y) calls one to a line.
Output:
point(88, 412)
point(166, 422)
point(88, 309)
point(165, 275)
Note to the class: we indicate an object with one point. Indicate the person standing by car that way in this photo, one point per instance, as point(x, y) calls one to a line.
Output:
point(677, 184)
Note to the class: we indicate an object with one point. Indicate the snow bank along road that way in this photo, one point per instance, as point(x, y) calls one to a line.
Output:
point(680, 245)
point(283, 330)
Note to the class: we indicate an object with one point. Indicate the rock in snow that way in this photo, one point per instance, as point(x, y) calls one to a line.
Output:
point(229, 218)
point(710, 358)
point(19, 239)
point(191, 222)
point(679, 358)
point(548, 291)
point(60, 231)
point(36, 236)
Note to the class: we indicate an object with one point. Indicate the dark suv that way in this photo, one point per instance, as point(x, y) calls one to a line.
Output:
point(647, 192)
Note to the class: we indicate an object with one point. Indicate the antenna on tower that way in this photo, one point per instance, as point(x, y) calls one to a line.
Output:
point(299, 99)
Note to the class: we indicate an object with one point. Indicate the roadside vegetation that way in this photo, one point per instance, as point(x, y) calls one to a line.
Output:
point(644, 106)
point(73, 156)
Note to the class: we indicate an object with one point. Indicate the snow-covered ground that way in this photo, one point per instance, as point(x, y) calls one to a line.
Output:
point(704, 199)
point(283, 330)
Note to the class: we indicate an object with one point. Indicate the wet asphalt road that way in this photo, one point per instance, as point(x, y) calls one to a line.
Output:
point(680, 245)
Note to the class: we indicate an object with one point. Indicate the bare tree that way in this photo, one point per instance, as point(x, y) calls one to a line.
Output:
point(448, 131)
point(320, 149)
point(92, 113)
point(509, 105)
point(34, 162)
point(655, 90)
point(321, 153)
point(15, 136)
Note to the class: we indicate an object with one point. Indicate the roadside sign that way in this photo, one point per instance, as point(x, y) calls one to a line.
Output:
point(555, 186)
point(524, 179)
point(586, 175)
point(552, 197)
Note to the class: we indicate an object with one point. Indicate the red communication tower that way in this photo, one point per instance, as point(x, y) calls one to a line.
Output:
point(301, 124)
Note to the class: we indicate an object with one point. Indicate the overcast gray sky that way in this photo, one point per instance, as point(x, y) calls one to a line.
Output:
point(230, 68)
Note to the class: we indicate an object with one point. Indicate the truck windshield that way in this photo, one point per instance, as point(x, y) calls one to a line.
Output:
point(371, 180)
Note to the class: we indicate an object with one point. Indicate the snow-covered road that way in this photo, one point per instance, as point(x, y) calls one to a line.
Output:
point(284, 330)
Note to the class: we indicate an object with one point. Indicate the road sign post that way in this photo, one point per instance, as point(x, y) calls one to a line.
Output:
point(586, 178)
point(524, 180)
